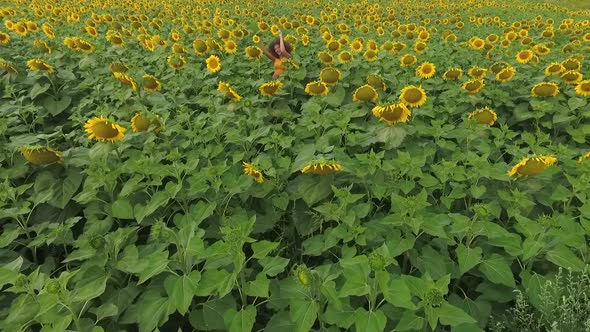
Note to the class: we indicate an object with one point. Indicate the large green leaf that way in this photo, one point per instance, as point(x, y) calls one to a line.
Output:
point(497, 270)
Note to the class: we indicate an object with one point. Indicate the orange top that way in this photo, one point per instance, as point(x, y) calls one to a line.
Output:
point(279, 68)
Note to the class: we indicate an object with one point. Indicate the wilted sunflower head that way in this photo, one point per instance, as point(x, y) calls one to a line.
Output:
point(532, 166)
point(126, 80)
point(100, 129)
point(392, 113)
point(545, 89)
point(484, 115)
point(40, 65)
point(365, 93)
point(413, 96)
point(151, 83)
point(40, 155)
point(317, 88)
point(322, 168)
point(330, 75)
point(270, 88)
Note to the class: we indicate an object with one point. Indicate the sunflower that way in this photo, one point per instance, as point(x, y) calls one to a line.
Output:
point(4, 38)
point(227, 90)
point(506, 74)
point(407, 60)
point(117, 40)
point(140, 122)
point(20, 29)
point(356, 46)
point(270, 88)
point(376, 81)
point(477, 43)
point(91, 31)
point(586, 156)
point(398, 47)
point(40, 65)
point(555, 68)
point(230, 46)
point(420, 47)
point(213, 63)
point(8, 68)
point(40, 45)
point(330, 75)
point(571, 64)
point(322, 168)
point(572, 77)
point(370, 55)
point(498, 66)
point(532, 166)
point(151, 83)
point(393, 113)
point(413, 96)
point(117, 67)
point(325, 58)
point(365, 93)
point(102, 130)
point(545, 89)
point(333, 45)
point(477, 72)
point(485, 116)
point(200, 46)
point(249, 169)
point(317, 88)
point(474, 86)
point(541, 49)
point(524, 56)
point(178, 49)
point(387, 46)
point(453, 74)
point(48, 30)
point(126, 80)
point(426, 70)
point(345, 57)
point(40, 155)
point(583, 88)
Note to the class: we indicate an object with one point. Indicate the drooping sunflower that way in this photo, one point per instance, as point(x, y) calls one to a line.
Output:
point(392, 113)
point(498, 66)
point(200, 47)
point(140, 122)
point(586, 156)
point(365, 93)
point(370, 55)
point(506, 74)
point(270, 88)
point(317, 88)
point(100, 129)
point(40, 155)
point(484, 115)
point(40, 45)
point(524, 56)
point(345, 57)
point(151, 83)
point(413, 96)
point(253, 53)
point(583, 88)
point(477, 72)
point(532, 166)
point(473, 86)
point(571, 64)
point(4, 38)
point(84, 46)
point(8, 68)
point(555, 68)
point(545, 89)
point(178, 48)
point(330, 75)
point(126, 80)
point(213, 63)
point(252, 171)
point(407, 60)
point(118, 67)
point(48, 30)
point(572, 77)
point(116, 39)
point(377, 82)
point(322, 168)
point(40, 65)
point(228, 91)
point(453, 74)
point(426, 70)
point(325, 58)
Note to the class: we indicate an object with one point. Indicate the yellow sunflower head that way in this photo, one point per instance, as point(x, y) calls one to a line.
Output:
point(365, 93)
point(40, 45)
point(473, 86)
point(408, 60)
point(40, 65)
point(524, 56)
point(252, 171)
point(453, 74)
point(545, 89)
point(345, 57)
point(8, 68)
point(100, 129)
point(583, 88)
point(485, 116)
point(377, 82)
point(532, 166)
point(126, 80)
point(270, 88)
point(4, 38)
point(392, 113)
point(572, 77)
point(317, 88)
point(555, 68)
point(584, 157)
point(506, 74)
point(151, 83)
point(213, 63)
point(230, 46)
point(370, 55)
point(200, 47)
point(322, 168)
point(477, 72)
point(426, 70)
point(228, 91)
point(84, 46)
point(253, 53)
point(498, 66)
point(330, 75)
point(571, 64)
point(40, 155)
point(325, 58)
point(118, 67)
point(413, 96)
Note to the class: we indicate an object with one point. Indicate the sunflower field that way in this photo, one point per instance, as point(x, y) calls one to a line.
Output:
point(420, 165)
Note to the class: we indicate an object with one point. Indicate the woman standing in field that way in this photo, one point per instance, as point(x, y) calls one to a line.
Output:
point(277, 51)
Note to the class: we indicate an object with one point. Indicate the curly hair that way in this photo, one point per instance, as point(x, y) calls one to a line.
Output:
point(277, 41)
